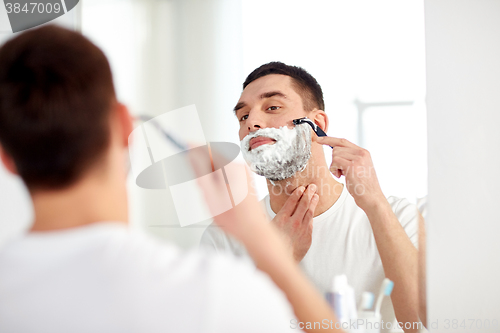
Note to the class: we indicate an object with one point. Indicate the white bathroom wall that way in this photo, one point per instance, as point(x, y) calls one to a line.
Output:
point(463, 89)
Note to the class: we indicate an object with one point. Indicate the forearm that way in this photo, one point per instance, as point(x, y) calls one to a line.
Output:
point(270, 254)
point(399, 259)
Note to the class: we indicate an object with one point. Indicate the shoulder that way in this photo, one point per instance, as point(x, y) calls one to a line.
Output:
point(214, 237)
point(217, 240)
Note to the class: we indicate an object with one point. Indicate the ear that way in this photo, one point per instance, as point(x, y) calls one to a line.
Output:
point(125, 121)
point(320, 118)
point(8, 162)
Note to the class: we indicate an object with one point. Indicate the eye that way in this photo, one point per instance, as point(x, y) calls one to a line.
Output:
point(273, 108)
point(244, 118)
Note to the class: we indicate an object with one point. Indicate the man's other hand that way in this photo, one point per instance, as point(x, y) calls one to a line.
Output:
point(295, 219)
point(355, 163)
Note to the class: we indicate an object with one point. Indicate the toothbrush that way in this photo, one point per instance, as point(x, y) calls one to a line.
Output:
point(367, 300)
point(316, 128)
point(385, 290)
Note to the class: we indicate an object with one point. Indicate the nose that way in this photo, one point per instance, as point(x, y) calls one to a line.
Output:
point(254, 122)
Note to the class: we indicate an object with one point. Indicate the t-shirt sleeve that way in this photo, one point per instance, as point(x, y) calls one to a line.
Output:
point(213, 239)
point(244, 300)
point(407, 214)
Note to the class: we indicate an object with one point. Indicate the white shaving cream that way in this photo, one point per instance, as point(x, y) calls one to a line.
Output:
point(283, 159)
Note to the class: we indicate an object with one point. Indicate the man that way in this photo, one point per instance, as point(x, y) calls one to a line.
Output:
point(79, 269)
point(332, 228)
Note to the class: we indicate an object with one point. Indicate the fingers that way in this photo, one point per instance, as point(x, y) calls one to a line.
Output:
point(308, 218)
point(304, 202)
point(342, 159)
point(339, 164)
point(293, 199)
point(314, 203)
point(333, 142)
point(349, 154)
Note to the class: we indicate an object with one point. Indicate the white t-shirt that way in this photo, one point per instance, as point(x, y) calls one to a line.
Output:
point(102, 278)
point(342, 243)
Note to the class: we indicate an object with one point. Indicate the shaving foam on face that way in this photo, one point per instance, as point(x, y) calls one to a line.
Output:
point(283, 159)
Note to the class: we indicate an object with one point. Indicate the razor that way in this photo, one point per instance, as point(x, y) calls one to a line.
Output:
point(315, 128)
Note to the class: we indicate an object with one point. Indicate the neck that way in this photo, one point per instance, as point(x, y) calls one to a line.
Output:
point(97, 197)
point(317, 173)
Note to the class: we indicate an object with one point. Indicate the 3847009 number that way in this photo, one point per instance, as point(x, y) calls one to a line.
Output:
point(469, 324)
point(33, 7)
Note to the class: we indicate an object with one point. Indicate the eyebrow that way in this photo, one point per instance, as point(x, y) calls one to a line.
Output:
point(263, 96)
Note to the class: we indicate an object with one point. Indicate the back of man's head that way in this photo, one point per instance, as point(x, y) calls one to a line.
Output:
point(56, 93)
point(304, 83)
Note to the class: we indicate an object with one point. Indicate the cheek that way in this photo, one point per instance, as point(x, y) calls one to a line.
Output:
point(285, 120)
point(243, 132)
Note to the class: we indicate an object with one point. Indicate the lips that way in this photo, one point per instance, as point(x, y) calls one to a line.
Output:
point(259, 141)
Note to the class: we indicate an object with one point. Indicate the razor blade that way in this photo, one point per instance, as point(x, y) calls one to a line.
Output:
point(315, 128)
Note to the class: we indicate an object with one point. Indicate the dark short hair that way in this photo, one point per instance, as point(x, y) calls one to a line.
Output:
point(304, 83)
point(56, 94)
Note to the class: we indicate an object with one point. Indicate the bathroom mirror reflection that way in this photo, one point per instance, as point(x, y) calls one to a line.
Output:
point(367, 56)
point(369, 59)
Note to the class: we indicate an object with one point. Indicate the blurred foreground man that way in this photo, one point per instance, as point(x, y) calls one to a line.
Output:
point(79, 269)
point(331, 228)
